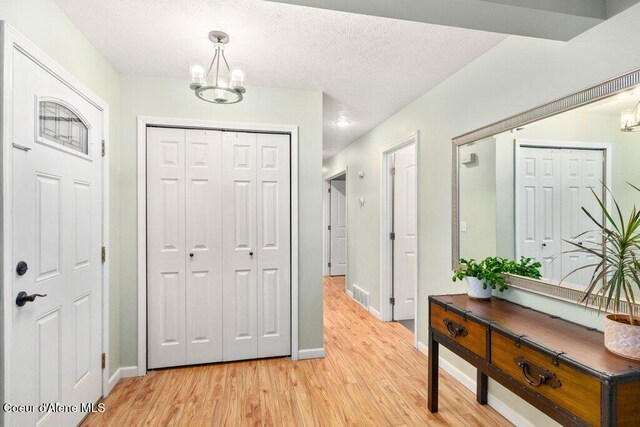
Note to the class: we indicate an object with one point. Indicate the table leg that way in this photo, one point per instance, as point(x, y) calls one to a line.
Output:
point(482, 386)
point(432, 382)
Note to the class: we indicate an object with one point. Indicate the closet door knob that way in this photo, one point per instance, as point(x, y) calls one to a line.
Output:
point(251, 253)
point(191, 255)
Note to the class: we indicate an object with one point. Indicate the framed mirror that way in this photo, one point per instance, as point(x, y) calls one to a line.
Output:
point(520, 185)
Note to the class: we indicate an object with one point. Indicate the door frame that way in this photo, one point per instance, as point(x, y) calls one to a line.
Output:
point(142, 123)
point(606, 147)
point(386, 254)
point(326, 203)
point(10, 40)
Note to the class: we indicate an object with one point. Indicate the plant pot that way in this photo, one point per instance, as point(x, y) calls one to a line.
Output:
point(476, 289)
point(620, 337)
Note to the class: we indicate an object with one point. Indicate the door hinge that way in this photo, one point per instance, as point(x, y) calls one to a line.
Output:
point(329, 190)
point(329, 227)
point(392, 236)
point(329, 264)
point(104, 148)
point(392, 171)
point(104, 360)
point(392, 301)
point(103, 254)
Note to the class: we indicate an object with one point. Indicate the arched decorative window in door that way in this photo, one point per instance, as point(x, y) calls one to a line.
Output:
point(61, 125)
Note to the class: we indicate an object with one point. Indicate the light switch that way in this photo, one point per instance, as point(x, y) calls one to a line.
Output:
point(463, 226)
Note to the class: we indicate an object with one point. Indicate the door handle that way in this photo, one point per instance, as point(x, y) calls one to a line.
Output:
point(23, 298)
point(251, 253)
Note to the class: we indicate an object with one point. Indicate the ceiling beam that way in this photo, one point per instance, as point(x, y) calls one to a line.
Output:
point(546, 19)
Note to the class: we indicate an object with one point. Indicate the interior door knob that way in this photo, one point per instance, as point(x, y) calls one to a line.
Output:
point(251, 253)
point(23, 298)
point(21, 268)
point(191, 255)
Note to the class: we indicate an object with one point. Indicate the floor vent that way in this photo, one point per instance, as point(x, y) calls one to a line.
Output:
point(361, 296)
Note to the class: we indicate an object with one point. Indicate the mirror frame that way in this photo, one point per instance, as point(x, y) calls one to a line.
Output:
point(578, 99)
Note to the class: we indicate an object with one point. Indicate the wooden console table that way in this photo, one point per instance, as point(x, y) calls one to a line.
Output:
point(560, 367)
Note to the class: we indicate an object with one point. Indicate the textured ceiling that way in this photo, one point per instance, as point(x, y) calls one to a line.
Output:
point(368, 67)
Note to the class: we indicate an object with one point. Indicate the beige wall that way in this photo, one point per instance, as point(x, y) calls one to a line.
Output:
point(516, 75)
point(44, 24)
point(147, 96)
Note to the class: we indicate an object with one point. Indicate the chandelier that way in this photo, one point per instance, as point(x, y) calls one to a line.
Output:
point(631, 120)
point(218, 84)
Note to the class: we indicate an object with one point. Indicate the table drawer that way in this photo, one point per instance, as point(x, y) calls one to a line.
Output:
point(569, 388)
point(466, 332)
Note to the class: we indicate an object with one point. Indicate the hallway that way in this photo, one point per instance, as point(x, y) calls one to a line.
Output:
point(371, 375)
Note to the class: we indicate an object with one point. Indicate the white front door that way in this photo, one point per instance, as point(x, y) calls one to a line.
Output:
point(338, 230)
point(405, 224)
point(57, 226)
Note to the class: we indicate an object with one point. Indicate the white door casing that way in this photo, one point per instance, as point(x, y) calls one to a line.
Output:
point(405, 222)
point(57, 206)
point(338, 232)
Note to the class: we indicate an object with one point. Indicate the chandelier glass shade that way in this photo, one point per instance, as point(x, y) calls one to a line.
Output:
point(217, 83)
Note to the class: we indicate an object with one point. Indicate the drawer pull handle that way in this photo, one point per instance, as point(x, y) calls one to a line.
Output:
point(535, 375)
point(455, 329)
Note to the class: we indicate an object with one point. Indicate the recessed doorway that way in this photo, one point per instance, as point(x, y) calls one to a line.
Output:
point(335, 213)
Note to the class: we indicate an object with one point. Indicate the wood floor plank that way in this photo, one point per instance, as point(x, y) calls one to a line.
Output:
point(371, 376)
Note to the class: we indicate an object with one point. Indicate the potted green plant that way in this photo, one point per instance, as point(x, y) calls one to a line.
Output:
point(616, 275)
point(484, 276)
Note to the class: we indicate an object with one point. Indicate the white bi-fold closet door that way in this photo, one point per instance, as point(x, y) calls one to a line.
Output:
point(554, 185)
point(218, 246)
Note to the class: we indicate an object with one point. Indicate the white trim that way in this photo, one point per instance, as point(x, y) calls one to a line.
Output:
point(375, 313)
point(326, 209)
point(385, 227)
point(520, 143)
point(311, 353)
point(141, 140)
point(120, 373)
point(11, 39)
point(496, 403)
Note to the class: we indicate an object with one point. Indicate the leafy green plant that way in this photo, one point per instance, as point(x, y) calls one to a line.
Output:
point(491, 270)
point(617, 271)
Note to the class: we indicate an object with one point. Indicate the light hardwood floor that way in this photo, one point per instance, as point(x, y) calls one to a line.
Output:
point(371, 375)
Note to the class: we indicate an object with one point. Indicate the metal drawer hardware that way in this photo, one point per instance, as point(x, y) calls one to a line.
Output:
point(541, 375)
point(556, 360)
point(455, 329)
point(518, 340)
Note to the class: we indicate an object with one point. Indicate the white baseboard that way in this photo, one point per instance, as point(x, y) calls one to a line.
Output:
point(375, 312)
point(350, 293)
point(311, 353)
point(470, 383)
point(122, 372)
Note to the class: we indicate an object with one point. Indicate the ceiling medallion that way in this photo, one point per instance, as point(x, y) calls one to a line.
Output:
point(219, 84)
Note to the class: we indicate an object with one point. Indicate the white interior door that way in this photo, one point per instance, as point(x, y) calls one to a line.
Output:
point(582, 170)
point(57, 224)
point(338, 232)
point(204, 246)
point(274, 245)
point(166, 263)
point(540, 215)
point(240, 282)
point(405, 223)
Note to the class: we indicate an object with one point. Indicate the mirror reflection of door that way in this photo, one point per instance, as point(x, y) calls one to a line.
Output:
point(554, 183)
point(338, 228)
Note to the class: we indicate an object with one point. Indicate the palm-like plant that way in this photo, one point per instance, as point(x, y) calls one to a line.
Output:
point(618, 253)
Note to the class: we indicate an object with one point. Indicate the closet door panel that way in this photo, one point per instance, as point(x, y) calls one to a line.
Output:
point(239, 246)
point(273, 245)
point(203, 246)
point(165, 247)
